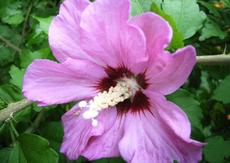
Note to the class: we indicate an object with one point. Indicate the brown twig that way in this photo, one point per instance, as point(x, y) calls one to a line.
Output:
point(9, 44)
point(27, 18)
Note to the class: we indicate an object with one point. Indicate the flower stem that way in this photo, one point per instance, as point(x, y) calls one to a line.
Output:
point(13, 128)
point(12, 136)
point(9, 44)
point(36, 122)
point(13, 107)
point(221, 59)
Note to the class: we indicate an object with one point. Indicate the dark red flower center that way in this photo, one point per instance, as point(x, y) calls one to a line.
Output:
point(139, 101)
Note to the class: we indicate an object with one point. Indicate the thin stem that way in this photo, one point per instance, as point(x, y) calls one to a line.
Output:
point(12, 136)
point(36, 122)
point(12, 108)
point(221, 59)
point(9, 44)
point(13, 128)
point(27, 17)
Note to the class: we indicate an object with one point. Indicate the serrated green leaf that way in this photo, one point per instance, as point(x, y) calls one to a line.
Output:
point(211, 29)
point(13, 17)
point(177, 40)
point(216, 149)
point(6, 56)
point(186, 13)
point(35, 149)
point(191, 107)
point(16, 76)
point(44, 24)
point(210, 7)
point(27, 56)
point(140, 6)
point(221, 93)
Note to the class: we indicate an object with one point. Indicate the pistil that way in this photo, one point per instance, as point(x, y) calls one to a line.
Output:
point(124, 89)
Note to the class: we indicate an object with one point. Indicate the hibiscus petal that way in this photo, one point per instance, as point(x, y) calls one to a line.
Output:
point(171, 114)
point(157, 31)
point(107, 36)
point(149, 139)
point(85, 69)
point(171, 70)
point(80, 136)
point(106, 145)
point(48, 82)
point(64, 31)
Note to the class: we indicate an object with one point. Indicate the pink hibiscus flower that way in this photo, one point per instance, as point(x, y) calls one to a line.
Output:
point(120, 69)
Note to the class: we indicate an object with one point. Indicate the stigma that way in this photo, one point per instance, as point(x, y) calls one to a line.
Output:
point(125, 88)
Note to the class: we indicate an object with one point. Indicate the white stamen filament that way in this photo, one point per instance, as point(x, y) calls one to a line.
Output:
point(94, 122)
point(82, 104)
point(124, 89)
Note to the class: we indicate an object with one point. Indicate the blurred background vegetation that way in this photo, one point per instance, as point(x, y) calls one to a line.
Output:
point(34, 134)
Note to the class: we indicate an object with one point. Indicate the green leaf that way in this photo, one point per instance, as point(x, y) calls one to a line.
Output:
point(116, 160)
point(27, 56)
point(54, 137)
point(109, 160)
point(140, 6)
point(23, 115)
point(217, 149)
point(6, 56)
point(32, 149)
point(16, 76)
point(3, 104)
point(186, 13)
point(221, 93)
point(4, 4)
point(211, 29)
point(210, 7)
point(191, 107)
point(4, 155)
point(226, 3)
point(13, 17)
point(177, 40)
point(5, 31)
point(10, 93)
point(16, 155)
point(44, 24)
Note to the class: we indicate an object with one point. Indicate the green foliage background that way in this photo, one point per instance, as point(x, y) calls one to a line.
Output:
point(27, 136)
